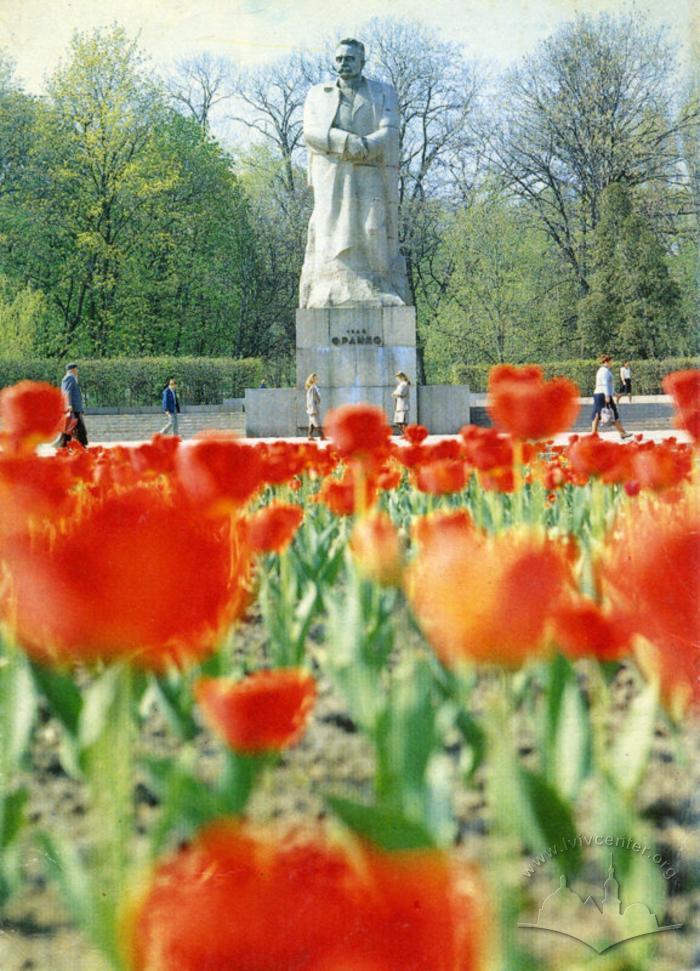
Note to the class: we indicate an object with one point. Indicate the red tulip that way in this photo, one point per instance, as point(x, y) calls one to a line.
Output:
point(31, 412)
point(650, 573)
point(138, 576)
point(415, 434)
point(684, 388)
point(356, 430)
point(592, 456)
point(442, 477)
point(662, 466)
point(272, 528)
point(523, 403)
point(238, 899)
point(219, 473)
point(267, 711)
point(341, 495)
point(441, 526)
point(582, 629)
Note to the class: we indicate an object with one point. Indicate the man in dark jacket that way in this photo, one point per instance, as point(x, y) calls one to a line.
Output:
point(74, 407)
point(171, 408)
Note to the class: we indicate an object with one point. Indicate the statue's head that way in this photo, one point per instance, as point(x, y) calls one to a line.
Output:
point(349, 58)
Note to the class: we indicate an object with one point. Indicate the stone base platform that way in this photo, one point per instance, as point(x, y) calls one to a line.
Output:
point(281, 412)
point(356, 352)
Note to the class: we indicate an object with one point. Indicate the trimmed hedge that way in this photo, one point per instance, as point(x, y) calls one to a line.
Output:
point(646, 375)
point(121, 382)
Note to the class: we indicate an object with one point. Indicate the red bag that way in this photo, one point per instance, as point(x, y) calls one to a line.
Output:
point(70, 425)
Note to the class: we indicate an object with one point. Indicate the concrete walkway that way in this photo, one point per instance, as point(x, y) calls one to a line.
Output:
point(650, 435)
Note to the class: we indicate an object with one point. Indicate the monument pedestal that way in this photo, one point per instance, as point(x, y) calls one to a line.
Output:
point(356, 352)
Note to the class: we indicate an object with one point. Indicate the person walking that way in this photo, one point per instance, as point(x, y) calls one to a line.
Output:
point(171, 407)
point(400, 396)
point(625, 382)
point(603, 397)
point(73, 396)
point(313, 406)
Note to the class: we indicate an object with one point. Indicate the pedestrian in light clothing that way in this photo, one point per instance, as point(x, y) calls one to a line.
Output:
point(400, 396)
point(313, 406)
point(603, 397)
point(625, 382)
point(171, 408)
point(73, 396)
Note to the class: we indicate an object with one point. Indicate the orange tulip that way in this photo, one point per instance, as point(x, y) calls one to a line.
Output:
point(377, 549)
point(488, 598)
point(267, 711)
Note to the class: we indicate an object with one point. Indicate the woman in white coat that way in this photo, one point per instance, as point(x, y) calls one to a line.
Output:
point(313, 405)
point(400, 396)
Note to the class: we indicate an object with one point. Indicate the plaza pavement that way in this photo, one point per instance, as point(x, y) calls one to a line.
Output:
point(653, 435)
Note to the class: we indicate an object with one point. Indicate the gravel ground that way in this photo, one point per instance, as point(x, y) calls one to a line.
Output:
point(333, 757)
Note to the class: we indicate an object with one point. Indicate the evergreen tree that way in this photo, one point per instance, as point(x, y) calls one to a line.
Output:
point(633, 307)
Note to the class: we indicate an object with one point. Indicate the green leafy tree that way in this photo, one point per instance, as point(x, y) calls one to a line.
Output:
point(633, 307)
point(21, 312)
point(127, 216)
point(594, 105)
point(509, 297)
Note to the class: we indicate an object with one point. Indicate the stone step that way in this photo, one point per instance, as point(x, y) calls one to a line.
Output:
point(131, 428)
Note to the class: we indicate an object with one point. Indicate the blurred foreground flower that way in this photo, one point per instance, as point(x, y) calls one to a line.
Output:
point(441, 525)
point(523, 403)
point(442, 477)
point(487, 598)
point(582, 629)
point(218, 473)
point(376, 549)
point(271, 529)
point(651, 574)
point(349, 494)
point(357, 430)
point(31, 412)
point(137, 577)
point(684, 388)
point(415, 434)
point(264, 712)
point(238, 899)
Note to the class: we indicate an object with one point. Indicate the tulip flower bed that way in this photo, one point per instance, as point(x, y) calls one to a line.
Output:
point(289, 707)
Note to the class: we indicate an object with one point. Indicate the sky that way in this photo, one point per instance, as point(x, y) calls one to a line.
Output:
point(36, 33)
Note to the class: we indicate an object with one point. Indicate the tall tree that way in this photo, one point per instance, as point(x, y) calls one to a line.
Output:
point(128, 217)
point(509, 296)
point(593, 106)
point(199, 84)
point(633, 307)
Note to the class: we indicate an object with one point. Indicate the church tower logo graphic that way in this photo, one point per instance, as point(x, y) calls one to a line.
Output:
point(606, 924)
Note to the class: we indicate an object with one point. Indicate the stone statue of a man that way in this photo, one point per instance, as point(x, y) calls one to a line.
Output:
point(351, 129)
